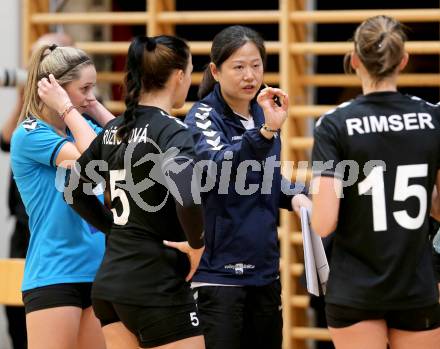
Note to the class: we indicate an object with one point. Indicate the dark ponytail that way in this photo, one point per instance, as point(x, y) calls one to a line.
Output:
point(207, 84)
point(133, 87)
point(224, 45)
point(150, 62)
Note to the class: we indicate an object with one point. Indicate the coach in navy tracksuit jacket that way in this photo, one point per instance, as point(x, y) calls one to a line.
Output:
point(237, 283)
point(240, 230)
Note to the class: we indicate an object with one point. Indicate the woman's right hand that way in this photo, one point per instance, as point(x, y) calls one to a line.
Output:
point(194, 255)
point(52, 94)
point(274, 115)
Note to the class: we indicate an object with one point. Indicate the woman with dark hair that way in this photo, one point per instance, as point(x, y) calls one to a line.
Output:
point(64, 253)
point(381, 289)
point(142, 283)
point(237, 127)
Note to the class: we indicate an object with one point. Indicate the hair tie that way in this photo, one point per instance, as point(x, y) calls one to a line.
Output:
point(381, 38)
point(53, 47)
point(150, 43)
point(397, 26)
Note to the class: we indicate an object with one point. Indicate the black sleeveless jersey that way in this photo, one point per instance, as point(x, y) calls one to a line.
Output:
point(385, 146)
point(137, 267)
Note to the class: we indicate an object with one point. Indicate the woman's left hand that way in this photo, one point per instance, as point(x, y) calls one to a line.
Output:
point(98, 112)
point(92, 108)
point(274, 115)
point(194, 255)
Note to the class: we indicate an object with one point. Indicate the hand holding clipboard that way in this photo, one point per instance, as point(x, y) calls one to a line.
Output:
point(315, 261)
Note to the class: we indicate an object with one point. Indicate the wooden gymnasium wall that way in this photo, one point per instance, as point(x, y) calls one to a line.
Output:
point(294, 50)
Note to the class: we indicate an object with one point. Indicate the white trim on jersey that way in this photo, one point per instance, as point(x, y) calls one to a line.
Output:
point(331, 111)
point(428, 103)
point(180, 122)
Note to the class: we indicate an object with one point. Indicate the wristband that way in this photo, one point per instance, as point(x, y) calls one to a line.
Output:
point(65, 106)
point(264, 127)
point(66, 111)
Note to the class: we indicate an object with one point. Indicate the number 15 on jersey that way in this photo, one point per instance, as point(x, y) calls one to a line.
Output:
point(402, 191)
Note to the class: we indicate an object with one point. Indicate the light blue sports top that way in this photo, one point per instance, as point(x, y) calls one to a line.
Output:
point(62, 248)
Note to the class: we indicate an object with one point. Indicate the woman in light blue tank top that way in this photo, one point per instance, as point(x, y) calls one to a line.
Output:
point(64, 252)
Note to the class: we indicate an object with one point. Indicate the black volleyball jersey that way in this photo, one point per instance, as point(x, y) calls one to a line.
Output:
point(137, 267)
point(386, 148)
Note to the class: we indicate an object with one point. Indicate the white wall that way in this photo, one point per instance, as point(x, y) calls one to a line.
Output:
point(10, 57)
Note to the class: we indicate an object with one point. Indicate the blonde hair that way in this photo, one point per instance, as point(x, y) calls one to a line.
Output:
point(379, 43)
point(65, 63)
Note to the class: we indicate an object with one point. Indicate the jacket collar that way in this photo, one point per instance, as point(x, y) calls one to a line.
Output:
point(216, 100)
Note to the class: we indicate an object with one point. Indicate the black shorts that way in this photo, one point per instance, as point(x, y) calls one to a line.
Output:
point(241, 317)
point(418, 319)
point(152, 326)
point(58, 295)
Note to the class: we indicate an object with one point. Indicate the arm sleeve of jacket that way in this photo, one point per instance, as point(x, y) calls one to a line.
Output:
point(212, 144)
point(288, 191)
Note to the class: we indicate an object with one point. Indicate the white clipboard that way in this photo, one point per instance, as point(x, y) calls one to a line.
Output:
point(315, 261)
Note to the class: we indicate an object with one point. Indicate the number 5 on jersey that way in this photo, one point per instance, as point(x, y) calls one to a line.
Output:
point(402, 191)
point(119, 175)
point(194, 319)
